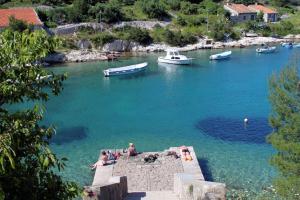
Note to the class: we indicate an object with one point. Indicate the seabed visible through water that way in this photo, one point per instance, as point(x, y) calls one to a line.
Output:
point(202, 105)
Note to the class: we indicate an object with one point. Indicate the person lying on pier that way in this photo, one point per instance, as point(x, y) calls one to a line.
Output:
point(103, 161)
point(185, 153)
point(131, 150)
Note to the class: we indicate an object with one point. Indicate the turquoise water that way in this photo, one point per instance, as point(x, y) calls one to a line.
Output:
point(171, 106)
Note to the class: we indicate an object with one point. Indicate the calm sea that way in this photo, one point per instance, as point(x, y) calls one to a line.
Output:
point(202, 105)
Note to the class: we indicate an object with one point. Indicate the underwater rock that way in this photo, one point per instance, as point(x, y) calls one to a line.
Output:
point(67, 135)
point(230, 129)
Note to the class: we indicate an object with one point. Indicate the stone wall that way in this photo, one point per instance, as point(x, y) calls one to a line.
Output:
point(115, 189)
point(73, 28)
point(187, 187)
point(149, 25)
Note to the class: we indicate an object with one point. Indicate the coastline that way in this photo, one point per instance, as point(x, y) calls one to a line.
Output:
point(118, 46)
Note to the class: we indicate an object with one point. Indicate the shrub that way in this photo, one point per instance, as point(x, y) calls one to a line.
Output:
point(58, 15)
point(18, 25)
point(157, 34)
point(176, 38)
point(68, 43)
point(101, 39)
point(188, 8)
point(211, 7)
point(153, 8)
point(181, 21)
point(109, 12)
point(134, 34)
point(173, 4)
point(221, 30)
point(196, 20)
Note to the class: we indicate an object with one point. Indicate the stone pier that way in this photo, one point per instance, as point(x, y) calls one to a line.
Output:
point(168, 178)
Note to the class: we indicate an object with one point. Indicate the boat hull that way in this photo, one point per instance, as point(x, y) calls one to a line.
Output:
point(174, 62)
point(267, 50)
point(125, 70)
point(220, 56)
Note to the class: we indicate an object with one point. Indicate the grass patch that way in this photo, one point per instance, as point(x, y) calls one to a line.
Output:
point(134, 13)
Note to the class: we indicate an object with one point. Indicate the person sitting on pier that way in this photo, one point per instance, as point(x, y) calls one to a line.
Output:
point(131, 150)
point(103, 161)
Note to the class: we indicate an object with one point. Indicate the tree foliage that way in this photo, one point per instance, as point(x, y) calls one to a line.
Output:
point(26, 162)
point(285, 138)
point(18, 25)
point(107, 12)
point(134, 34)
point(153, 8)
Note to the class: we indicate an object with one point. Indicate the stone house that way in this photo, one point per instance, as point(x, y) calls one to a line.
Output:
point(27, 15)
point(240, 12)
point(269, 15)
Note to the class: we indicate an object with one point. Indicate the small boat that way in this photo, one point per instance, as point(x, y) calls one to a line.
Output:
point(287, 45)
point(125, 70)
point(266, 50)
point(43, 77)
point(173, 57)
point(220, 56)
point(296, 45)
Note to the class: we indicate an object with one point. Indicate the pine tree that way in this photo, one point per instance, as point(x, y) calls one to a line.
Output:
point(285, 138)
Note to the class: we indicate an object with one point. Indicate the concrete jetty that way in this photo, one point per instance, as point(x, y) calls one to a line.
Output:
point(169, 177)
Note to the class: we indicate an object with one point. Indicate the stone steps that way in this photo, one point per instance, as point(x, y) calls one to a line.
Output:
point(152, 195)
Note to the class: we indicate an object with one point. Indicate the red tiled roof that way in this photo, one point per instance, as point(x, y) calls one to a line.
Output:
point(262, 8)
point(239, 8)
point(25, 14)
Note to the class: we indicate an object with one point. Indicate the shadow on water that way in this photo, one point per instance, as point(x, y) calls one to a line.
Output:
point(203, 162)
point(138, 75)
point(235, 130)
point(67, 135)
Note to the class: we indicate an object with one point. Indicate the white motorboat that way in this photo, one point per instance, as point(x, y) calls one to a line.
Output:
point(266, 50)
point(173, 57)
point(220, 56)
point(125, 70)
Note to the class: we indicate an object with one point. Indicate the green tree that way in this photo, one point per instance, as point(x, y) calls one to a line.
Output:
point(188, 8)
point(153, 8)
point(260, 17)
point(108, 12)
point(285, 138)
point(27, 164)
point(18, 25)
point(79, 11)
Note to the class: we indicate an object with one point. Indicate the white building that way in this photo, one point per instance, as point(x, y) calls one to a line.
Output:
point(269, 14)
point(240, 12)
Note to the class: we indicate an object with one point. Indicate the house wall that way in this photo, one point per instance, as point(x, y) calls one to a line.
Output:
point(272, 17)
point(243, 17)
point(240, 17)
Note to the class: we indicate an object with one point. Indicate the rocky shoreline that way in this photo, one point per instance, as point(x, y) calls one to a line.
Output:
point(85, 55)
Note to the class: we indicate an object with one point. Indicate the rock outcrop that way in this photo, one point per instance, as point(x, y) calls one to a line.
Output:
point(120, 46)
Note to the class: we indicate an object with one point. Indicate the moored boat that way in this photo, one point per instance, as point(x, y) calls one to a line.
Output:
point(287, 45)
point(266, 50)
point(173, 57)
point(131, 69)
point(296, 45)
point(220, 56)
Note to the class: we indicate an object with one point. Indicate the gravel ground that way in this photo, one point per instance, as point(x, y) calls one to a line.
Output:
point(142, 176)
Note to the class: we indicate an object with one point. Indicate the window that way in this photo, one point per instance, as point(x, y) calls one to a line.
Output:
point(252, 17)
point(244, 17)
